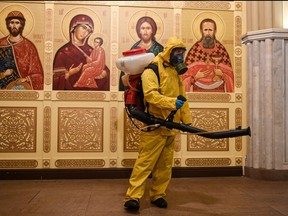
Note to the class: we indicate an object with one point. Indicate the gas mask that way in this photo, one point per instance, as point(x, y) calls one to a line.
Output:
point(178, 61)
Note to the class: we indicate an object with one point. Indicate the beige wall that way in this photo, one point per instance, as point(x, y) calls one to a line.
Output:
point(80, 129)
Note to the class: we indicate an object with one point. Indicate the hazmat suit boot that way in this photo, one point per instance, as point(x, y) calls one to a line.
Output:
point(160, 202)
point(132, 205)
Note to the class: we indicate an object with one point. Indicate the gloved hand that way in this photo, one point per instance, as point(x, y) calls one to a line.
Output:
point(179, 103)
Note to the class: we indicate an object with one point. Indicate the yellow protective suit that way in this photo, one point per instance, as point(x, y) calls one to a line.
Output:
point(157, 147)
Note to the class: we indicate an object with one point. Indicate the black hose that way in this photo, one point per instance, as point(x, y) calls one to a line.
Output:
point(151, 120)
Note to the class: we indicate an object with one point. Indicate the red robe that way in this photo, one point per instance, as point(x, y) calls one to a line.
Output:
point(27, 61)
point(92, 69)
point(199, 58)
point(67, 56)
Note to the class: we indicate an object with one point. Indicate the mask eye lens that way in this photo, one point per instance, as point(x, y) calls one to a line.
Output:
point(177, 60)
point(178, 51)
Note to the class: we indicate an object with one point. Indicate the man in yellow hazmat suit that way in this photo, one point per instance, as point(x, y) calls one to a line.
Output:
point(157, 146)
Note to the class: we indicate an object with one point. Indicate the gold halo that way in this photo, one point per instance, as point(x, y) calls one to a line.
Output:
point(69, 16)
point(106, 42)
point(133, 21)
point(29, 24)
point(201, 16)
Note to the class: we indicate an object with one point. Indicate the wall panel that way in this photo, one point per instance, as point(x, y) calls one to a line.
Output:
point(88, 128)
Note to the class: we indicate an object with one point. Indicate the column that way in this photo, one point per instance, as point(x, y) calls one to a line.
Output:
point(267, 83)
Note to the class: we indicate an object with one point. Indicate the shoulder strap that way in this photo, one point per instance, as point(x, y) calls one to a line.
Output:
point(154, 67)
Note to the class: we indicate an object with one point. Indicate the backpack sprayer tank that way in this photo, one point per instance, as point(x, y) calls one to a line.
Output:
point(133, 64)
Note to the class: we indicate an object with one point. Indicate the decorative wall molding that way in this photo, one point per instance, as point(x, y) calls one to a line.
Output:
point(46, 163)
point(113, 162)
point(238, 72)
point(238, 161)
point(18, 129)
point(79, 163)
point(177, 162)
point(238, 30)
point(238, 123)
point(131, 134)
point(238, 97)
point(263, 34)
point(19, 95)
point(80, 96)
point(128, 162)
point(208, 162)
point(113, 129)
point(47, 129)
point(210, 120)
point(208, 97)
point(80, 129)
point(18, 164)
point(208, 5)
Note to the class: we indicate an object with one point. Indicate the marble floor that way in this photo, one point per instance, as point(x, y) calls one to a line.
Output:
point(229, 196)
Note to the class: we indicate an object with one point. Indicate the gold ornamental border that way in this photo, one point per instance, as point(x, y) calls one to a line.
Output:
point(207, 97)
point(82, 96)
point(18, 163)
point(207, 5)
point(128, 162)
point(47, 129)
point(19, 95)
point(219, 5)
point(113, 129)
point(71, 123)
point(204, 162)
point(79, 163)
